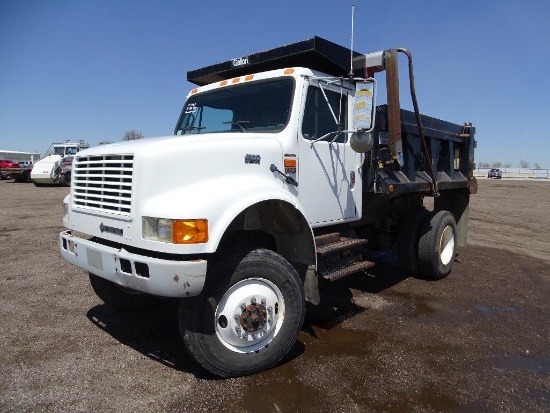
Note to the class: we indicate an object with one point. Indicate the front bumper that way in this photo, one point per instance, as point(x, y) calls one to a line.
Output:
point(165, 278)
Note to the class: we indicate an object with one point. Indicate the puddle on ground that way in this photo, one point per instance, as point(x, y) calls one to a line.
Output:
point(417, 306)
point(285, 388)
point(325, 340)
point(534, 363)
point(494, 309)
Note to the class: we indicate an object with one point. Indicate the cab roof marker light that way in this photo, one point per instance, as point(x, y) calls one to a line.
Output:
point(236, 80)
point(194, 91)
point(289, 71)
point(249, 77)
point(223, 83)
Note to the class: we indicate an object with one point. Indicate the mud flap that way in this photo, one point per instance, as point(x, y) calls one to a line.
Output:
point(311, 286)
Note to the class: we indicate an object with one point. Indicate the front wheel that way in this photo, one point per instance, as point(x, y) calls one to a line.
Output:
point(248, 316)
point(437, 245)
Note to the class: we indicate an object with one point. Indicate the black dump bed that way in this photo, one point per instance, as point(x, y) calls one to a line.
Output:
point(450, 146)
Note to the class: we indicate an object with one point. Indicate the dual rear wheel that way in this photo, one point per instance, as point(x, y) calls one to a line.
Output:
point(427, 243)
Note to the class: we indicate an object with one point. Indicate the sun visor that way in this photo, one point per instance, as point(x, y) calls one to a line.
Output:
point(315, 53)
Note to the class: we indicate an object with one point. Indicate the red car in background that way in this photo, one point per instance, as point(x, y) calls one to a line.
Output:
point(4, 163)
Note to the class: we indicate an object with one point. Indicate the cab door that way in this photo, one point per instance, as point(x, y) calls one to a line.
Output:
point(326, 172)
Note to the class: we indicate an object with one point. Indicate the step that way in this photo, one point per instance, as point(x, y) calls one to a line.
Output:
point(341, 244)
point(327, 238)
point(337, 272)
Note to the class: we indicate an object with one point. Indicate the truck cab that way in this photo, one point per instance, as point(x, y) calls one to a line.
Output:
point(280, 165)
point(306, 114)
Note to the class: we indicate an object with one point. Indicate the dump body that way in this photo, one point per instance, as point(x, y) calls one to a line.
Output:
point(450, 148)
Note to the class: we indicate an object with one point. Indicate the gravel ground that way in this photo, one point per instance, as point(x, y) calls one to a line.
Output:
point(478, 340)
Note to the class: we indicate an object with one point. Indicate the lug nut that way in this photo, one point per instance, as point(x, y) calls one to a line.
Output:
point(253, 300)
point(269, 320)
point(245, 335)
point(270, 309)
point(237, 317)
point(255, 335)
point(243, 306)
point(265, 329)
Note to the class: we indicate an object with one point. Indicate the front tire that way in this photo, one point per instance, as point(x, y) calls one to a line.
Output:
point(248, 316)
point(437, 245)
point(121, 298)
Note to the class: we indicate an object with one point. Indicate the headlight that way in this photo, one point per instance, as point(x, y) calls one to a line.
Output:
point(65, 212)
point(176, 231)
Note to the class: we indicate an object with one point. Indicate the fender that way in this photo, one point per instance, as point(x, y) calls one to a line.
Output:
point(222, 176)
point(222, 205)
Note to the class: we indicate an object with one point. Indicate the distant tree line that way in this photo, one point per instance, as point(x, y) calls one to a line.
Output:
point(497, 164)
point(130, 135)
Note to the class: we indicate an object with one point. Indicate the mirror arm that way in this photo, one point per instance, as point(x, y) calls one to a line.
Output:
point(328, 104)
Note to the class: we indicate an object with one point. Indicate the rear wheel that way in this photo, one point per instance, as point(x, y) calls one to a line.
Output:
point(248, 316)
point(437, 245)
point(407, 240)
point(120, 297)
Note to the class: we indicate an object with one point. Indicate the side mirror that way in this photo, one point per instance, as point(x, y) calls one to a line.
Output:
point(363, 115)
point(363, 110)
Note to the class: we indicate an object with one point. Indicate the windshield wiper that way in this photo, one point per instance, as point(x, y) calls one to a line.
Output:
point(240, 123)
point(193, 128)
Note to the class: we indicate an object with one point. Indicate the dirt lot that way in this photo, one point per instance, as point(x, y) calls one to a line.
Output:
point(478, 340)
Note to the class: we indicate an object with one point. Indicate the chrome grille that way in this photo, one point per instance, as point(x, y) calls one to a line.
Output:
point(103, 183)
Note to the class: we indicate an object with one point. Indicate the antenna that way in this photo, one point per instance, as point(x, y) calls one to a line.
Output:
point(351, 48)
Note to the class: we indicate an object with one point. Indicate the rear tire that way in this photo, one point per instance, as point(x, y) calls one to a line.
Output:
point(121, 298)
point(437, 245)
point(407, 240)
point(248, 316)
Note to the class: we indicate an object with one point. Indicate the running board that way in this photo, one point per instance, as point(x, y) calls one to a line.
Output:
point(336, 256)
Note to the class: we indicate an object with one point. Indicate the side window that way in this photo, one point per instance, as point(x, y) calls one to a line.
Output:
point(318, 120)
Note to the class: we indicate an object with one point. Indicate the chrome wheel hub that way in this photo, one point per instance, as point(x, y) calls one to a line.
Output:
point(249, 315)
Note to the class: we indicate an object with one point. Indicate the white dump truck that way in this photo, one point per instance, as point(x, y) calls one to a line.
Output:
point(55, 167)
point(280, 173)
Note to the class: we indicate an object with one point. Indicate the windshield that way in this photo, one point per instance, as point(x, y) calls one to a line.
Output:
point(258, 106)
point(64, 150)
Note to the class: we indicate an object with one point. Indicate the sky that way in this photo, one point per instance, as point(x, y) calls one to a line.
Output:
point(92, 70)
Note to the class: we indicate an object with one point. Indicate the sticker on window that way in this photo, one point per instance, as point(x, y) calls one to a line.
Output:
point(191, 108)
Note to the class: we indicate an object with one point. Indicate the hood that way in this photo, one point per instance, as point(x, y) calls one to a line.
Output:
point(167, 164)
point(168, 143)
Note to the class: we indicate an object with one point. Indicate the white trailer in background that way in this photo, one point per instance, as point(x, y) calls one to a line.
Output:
point(55, 167)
